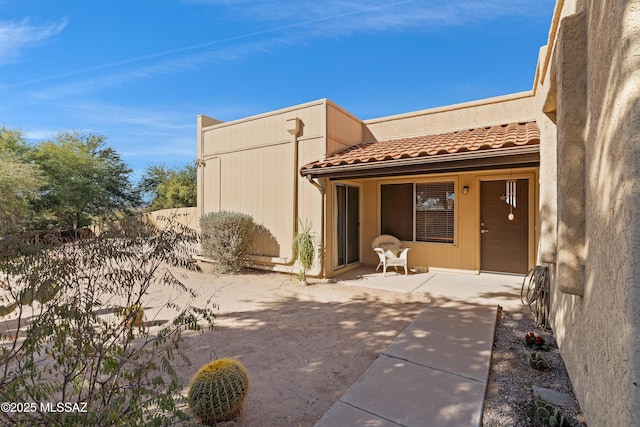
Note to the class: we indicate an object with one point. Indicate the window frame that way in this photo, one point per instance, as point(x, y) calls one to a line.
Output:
point(414, 184)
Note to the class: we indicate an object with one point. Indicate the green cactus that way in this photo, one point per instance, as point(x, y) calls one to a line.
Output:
point(543, 413)
point(218, 390)
point(549, 415)
point(536, 360)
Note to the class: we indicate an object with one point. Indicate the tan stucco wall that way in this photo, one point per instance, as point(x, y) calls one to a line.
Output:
point(500, 110)
point(183, 216)
point(251, 166)
point(548, 208)
point(598, 330)
point(343, 129)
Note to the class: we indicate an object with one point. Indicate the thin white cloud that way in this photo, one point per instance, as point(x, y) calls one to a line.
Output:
point(147, 120)
point(346, 16)
point(290, 23)
point(159, 63)
point(130, 74)
point(17, 36)
point(37, 135)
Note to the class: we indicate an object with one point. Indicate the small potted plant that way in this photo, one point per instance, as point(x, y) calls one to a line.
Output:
point(304, 249)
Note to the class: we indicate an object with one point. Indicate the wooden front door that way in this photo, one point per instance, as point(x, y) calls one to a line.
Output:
point(504, 245)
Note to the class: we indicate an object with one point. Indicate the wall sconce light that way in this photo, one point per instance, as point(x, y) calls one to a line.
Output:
point(465, 189)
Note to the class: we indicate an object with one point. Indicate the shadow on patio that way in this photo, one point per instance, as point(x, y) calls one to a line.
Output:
point(481, 289)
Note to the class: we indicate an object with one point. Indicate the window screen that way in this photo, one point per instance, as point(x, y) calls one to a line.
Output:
point(435, 212)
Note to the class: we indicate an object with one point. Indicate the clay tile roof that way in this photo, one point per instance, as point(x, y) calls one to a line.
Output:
point(487, 138)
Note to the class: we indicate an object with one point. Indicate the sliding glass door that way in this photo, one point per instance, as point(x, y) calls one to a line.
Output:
point(347, 224)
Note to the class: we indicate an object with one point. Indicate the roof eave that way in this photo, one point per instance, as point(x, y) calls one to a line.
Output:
point(528, 155)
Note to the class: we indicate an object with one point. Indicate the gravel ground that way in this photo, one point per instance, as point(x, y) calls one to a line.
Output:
point(509, 400)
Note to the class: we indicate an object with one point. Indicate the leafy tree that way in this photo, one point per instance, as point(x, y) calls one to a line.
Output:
point(19, 181)
point(170, 187)
point(14, 145)
point(84, 180)
point(19, 184)
point(152, 178)
point(69, 334)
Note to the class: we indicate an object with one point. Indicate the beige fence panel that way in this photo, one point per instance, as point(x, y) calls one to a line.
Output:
point(184, 216)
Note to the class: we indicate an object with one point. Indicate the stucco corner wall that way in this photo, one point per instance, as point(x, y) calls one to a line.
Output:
point(548, 184)
point(598, 328)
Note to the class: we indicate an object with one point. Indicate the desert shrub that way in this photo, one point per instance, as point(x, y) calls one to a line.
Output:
point(226, 238)
point(67, 339)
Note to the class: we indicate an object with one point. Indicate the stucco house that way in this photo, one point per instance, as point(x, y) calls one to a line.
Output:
point(544, 177)
point(354, 180)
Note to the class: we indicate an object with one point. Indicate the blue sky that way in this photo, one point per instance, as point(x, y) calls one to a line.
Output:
point(139, 72)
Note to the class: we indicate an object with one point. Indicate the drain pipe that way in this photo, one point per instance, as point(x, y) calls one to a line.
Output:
point(294, 127)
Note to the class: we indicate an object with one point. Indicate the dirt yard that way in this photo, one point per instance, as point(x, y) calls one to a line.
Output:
point(302, 346)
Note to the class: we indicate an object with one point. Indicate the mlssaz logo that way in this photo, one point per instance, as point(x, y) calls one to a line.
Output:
point(79, 407)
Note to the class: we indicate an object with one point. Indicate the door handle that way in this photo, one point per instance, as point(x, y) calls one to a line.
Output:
point(484, 231)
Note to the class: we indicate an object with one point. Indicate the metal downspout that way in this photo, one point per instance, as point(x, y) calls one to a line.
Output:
point(294, 129)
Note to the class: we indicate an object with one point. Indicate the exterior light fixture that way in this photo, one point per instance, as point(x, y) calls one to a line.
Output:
point(465, 189)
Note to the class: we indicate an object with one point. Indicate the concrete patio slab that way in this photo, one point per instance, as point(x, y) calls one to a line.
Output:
point(444, 353)
point(468, 356)
point(368, 277)
point(412, 395)
point(342, 414)
point(459, 320)
point(481, 289)
point(484, 288)
point(433, 374)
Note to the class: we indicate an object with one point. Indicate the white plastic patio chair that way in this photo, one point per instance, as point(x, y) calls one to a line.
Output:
point(390, 252)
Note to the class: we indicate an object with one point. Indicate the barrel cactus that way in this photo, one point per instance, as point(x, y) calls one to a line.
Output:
point(218, 390)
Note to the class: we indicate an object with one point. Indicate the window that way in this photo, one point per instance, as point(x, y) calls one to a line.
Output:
point(434, 212)
point(421, 212)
